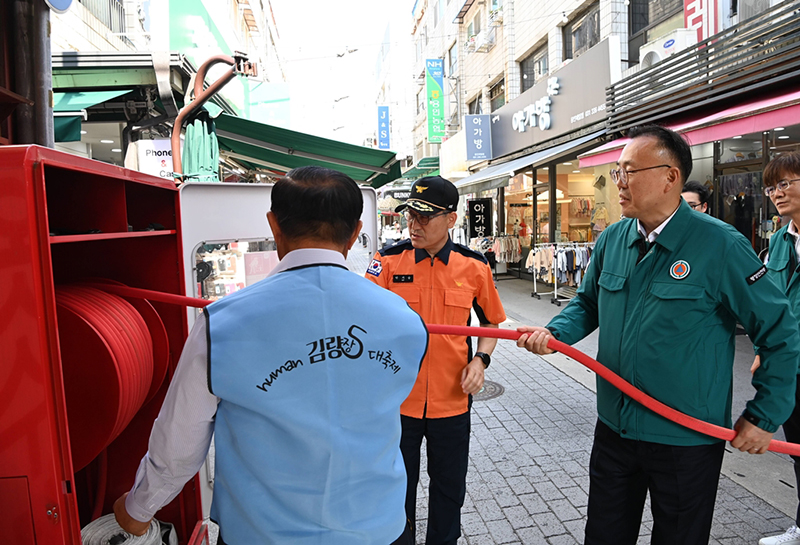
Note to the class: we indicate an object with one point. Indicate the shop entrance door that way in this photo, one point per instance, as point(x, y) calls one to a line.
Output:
point(738, 197)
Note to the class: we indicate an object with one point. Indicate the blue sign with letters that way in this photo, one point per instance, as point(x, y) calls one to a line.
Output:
point(479, 137)
point(383, 127)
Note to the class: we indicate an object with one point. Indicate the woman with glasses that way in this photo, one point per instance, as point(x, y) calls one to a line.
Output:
point(781, 185)
point(696, 196)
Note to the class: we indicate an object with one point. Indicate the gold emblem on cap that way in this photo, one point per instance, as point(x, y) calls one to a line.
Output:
point(420, 189)
point(419, 205)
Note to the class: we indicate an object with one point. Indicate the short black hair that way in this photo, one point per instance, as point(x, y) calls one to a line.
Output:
point(696, 187)
point(673, 142)
point(788, 163)
point(317, 202)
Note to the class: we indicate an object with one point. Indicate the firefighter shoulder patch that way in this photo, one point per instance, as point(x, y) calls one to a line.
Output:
point(375, 268)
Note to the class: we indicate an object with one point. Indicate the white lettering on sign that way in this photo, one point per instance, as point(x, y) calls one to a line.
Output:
point(586, 113)
point(538, 113)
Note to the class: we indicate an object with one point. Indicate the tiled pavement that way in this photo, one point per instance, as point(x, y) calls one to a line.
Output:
point(528, 478)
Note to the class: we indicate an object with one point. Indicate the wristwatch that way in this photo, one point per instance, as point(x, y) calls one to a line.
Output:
point(487, 359)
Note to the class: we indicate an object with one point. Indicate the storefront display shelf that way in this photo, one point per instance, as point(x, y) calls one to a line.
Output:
point(60, 239)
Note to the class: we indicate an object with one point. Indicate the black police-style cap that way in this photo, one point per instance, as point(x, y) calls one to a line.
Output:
point(431, 195)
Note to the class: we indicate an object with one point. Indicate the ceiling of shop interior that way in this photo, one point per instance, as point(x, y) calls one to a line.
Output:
point(104, 131)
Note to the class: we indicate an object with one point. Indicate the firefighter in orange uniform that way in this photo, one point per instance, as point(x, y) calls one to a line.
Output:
point(443, 282)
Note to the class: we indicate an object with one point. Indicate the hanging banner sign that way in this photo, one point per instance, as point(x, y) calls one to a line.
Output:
point(479, 137)
point(434, 85)
point(383, 127)
point(480, 218)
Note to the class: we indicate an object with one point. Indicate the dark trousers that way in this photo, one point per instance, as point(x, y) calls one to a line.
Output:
point(792, 430)
point(682, 482)
point(448, 454)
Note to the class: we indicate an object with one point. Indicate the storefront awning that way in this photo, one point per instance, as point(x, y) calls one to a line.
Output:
point(760, 115)
point(427, 166)
point(69, 109)
point(282, 150)
point(498, 175)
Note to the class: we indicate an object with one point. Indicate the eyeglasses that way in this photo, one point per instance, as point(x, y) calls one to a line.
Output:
point(695, 205)
point(620, 175)
point(420, 219)
point(783, 185)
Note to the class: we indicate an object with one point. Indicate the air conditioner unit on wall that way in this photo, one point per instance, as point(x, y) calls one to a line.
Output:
point(669, 44)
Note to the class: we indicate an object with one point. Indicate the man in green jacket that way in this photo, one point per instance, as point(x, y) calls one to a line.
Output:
point(782, 185)
point(666, 287)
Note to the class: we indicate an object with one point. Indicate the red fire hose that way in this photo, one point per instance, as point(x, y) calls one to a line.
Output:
point(618, 382)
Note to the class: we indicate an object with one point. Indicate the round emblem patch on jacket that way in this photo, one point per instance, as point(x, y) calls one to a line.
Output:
point(679, 270)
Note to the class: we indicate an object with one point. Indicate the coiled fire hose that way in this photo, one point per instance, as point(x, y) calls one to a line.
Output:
point(106, 531)
point(712, 430)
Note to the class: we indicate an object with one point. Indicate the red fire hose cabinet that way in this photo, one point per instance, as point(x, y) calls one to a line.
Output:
point(83, 372)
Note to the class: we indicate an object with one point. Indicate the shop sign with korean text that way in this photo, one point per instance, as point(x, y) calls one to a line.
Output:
point(480, 218)
point(383, 127)
point(569, 98)
point(479, 137)
point(434, 84)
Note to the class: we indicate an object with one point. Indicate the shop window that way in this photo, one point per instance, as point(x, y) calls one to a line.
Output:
point(497, 95)
point(533, 68)
point(223, 269)
point(582, 33)
point(474, 107)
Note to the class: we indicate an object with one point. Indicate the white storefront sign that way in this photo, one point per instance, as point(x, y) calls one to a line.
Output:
point(155, 157)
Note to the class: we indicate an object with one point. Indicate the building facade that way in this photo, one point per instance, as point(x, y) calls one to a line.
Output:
point(555, 81)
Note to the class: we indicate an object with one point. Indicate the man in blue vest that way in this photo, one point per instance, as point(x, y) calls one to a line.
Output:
point(300, 377)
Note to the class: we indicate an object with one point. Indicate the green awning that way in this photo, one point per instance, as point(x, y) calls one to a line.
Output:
point(428, 162)
point(68, 127)
point(424, 167)
point(75, 101)
point(282, 150)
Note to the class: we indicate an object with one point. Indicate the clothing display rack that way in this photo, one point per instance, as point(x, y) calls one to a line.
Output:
point(560, 263)
point(498, 249)
point(538, 248)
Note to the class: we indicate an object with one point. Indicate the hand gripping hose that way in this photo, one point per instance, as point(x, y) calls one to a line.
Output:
point(618, 382)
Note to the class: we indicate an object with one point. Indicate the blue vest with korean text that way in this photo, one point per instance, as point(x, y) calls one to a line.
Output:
point(311, 366)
